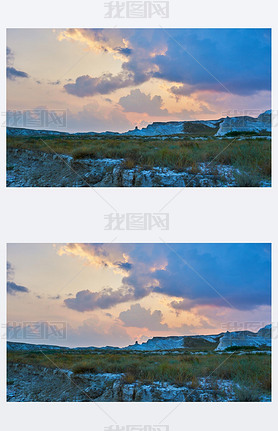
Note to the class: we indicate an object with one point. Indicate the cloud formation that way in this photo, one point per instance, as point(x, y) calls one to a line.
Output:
point(97, 118)
point(236, 61)
point(86, 300)
point(91, 332)
point(13, 73)
point(13, 288)
point(87, 86)
point(223, 275)
point(9, 56)
point(141, 317)
point(136, 101)
point(10, 271)
point(56, 297)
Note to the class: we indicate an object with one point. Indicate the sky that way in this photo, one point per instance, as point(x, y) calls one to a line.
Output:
point(116, 79)
point(116, 294)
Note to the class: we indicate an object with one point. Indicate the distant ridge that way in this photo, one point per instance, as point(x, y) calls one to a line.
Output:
point(210, 127)
point(218, 342)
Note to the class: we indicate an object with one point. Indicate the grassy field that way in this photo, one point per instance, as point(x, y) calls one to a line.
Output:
point(251, 371)
point(251, 156)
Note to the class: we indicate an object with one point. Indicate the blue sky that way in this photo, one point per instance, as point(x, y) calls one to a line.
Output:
point(114, 79)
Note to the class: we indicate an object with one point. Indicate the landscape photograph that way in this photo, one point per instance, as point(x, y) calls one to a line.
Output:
point(139, 322)
point(127, 107)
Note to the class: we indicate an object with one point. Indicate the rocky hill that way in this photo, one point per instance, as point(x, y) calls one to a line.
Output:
point(27, 347)
point(245, 124)
point(20, 131)
point(246, 338)
point(219, 127)
point(216, 342)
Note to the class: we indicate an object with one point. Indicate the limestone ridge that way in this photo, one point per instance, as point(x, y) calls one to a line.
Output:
point(218, 127)
point(218, 342)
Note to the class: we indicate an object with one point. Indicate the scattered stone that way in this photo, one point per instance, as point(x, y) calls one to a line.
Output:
point(28, 168)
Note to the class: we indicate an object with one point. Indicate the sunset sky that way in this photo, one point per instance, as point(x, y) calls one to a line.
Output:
point(115, 294)
point(116, 79)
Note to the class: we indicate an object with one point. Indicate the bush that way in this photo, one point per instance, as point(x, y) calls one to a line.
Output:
point(245, 394)
point(84, 367)
point(245, 179)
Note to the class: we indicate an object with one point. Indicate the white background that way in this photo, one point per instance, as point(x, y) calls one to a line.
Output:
point(196, 215)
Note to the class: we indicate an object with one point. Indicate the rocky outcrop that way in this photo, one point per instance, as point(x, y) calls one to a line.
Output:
point(24, 347)
point(159, 344)
point(177, 127)
point(265, 332)
point(28, 168)
point(217, 127)
point(30, 383)
point(246, 338)
point(176, 342)
point(245, 124)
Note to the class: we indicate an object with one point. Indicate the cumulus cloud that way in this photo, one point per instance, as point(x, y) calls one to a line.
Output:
point(141, 317)
point(86, 85)
point(13, 288)
point(90, 332)
point(86, 300)
point(136, 101)
point(190, 114)
point(102, 40)
point(125, 51)
point(13, 73)
point(218, 60)
point(136, 283)
point(56, 297)
point(95, 333)
point(94, 117)
point(229, 275)
point(57, 82)
point(223, 275)
point(124, 265)
point(182, 90)
point(100, 255)
point(10, 271)
point(9, 56)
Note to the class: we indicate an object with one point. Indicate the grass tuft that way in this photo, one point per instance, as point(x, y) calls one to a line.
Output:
point(251, 157)
point(252, 372)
